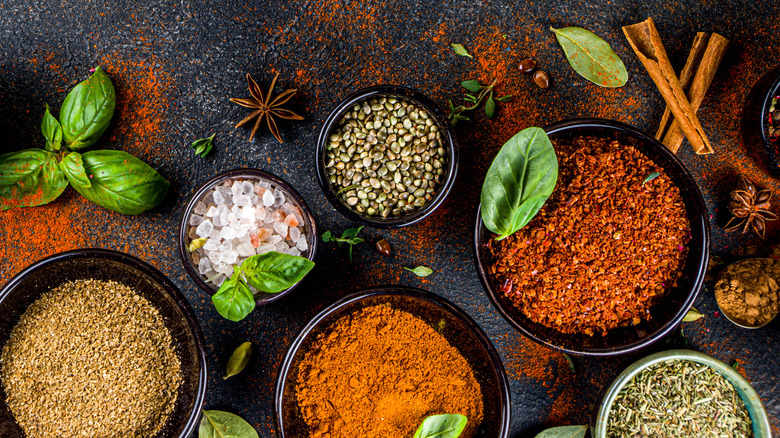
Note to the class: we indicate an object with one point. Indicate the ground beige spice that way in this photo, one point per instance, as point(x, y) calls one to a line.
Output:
point(380, 372)
point(748, 291)
point(90, 359)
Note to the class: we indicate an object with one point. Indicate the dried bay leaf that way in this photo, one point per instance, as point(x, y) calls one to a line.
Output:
point(564, 432)
point(421, 271)
point(591, 57)
point(692, 315)
point(220, 424)
point(238, 360)
point(460, 50)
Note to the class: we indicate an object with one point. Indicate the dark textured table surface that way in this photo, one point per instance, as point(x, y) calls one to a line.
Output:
point(176, 63)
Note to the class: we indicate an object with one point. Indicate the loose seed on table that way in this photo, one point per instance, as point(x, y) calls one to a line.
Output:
point(527, 65)
point(541, 79)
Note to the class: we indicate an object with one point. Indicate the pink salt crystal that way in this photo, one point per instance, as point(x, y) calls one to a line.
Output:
point(291, 221)
point(263, 233)
point(260, 190)
point(278, 216)
point(254, 240)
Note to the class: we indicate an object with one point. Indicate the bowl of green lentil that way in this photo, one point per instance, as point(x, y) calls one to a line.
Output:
point(680, 393)
point(124, 352)
point(386, 157)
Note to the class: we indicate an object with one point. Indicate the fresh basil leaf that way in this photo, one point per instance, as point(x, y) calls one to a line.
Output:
point(460, 50)
point(121, 182)
point(87, 110)
point(238, 360)
point(692, 315)
point(442, 426)
point(327, 236)
point(30, 177)
point(220, 424)
point(274, 272)
point(350, 233)
point(234, 300)
point(472, 86)
point(518, 182)
point(490, 107)
point(420, 271)
point(564, 432)
point(591, 57)
point(73, 167)
point(651, 177)
point(203, 146)
point(51, 130)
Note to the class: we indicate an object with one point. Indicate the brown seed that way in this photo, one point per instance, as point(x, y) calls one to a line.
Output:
point(527, 65)
point(383, 247)
point(541, 79)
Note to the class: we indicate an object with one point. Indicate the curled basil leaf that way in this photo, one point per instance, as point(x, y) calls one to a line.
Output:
point(442, 426)
point(518, 182)
point(120, 182)
point(73, 167)
point(30, 177)
point(87, 110)
point(51, 130)
point(234, 300)
point(220, 424)
point(274, 272)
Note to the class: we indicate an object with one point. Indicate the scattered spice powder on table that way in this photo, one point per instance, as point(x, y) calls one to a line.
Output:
point(605, 247)
point(380, 372)
point(90, 358)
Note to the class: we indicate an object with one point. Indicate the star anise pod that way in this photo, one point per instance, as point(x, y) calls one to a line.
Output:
point(750, 208)
point(266, 107)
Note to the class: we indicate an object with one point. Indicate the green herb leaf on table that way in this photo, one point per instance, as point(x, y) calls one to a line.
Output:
point(30, 177)
point(460, 50)
point(651, 177)
point(735, 364)
point(120, 182)
point(490, 107)
point(692, 315)
point(518, 182)
point(506, 98)
point(571, 363)
point(73, 168)
point(472, 86)
point(220, 424)
point(473, 102)
point(420, 271)
point(564, 432)
point(274, 272)
point(238, 360)
point(203, 146)
point(349, 237)
point(591, 57)
point(87, 110)
point(51, 130)
point(234, 300)
point(442, 426)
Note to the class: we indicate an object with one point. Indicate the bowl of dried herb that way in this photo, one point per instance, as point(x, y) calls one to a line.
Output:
point(124, 352)
point(384, 361)
point(680, 393)
point(386, 156)
point(616, 255)
point(770, 124)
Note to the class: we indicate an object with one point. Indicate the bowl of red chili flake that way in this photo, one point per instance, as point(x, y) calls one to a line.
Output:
point(770, 124)
point(617, 255)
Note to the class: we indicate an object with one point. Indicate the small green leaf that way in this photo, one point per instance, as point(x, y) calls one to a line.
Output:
point(420, 271)
point(591, 57)
point(274, 272)
point(203, 146)
point(219, 424)
point(51, 130)
point(197, 243)
point(87, 111)
point(30, 177)
point(735, 364)
point(564, 432)
point(651, 177)
point(234, 300)
point(460, 50)
point(470, 98)
point(327, 236)
point(442, 426)
point(490, 107)
point(238, 360)
point(692, 315)
point(73, 167)
point(571, 363)
point(506, 98)
point(350, 233)
point(472, 86)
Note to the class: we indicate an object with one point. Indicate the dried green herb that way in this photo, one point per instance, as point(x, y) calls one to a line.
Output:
point(442, 426)
point(563, 432)
point(473, 102)
point(591, 57)
point(203, 146)
point(460, 50)
point(571, 363)
point(238, 360)
point(349, 237)
point(420, 271)
point(197, 243)
point(220, 424)
point(651, 177)
point(692, 315)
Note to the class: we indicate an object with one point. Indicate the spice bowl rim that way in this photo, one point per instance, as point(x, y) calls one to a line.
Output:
point(451, 144)
point(732, 319)
point(529, 328)
point(503, 392)
point(774, 90)
point(193, 419)
point(753, 403)
point(261, 298)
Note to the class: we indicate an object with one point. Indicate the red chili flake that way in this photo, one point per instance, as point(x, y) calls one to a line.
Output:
point(507, 287)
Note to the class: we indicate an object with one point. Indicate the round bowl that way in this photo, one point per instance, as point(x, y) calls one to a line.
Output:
point(666, 314)
point(28, 285)
point(185, 238)
point(773, 151)
point(450, 144)
point(734, 320)
point(458, 329)
point(755, 408)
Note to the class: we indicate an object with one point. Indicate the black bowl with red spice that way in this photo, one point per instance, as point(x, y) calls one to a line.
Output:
point(770, 124)
point(662, 306)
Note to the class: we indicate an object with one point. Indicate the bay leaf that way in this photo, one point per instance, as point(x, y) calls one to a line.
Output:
point(460, 50)
point(220, 424)
point(564, 432)
point(692, 315)
point(238, 360)
point(420, 271)
point(592, 57)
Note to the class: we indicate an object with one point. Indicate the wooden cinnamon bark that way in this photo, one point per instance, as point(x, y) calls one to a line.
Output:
point(647, 45)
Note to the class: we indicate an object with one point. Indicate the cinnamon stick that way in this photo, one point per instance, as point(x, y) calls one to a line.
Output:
point(647, 45)
point(686, 75)
point(705, 73)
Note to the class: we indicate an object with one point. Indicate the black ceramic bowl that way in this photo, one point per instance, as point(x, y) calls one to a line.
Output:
point(665, 315)
point(450, 145)
point(290, 193)
point(27, 286)
point(772, 149)
point(459, 329)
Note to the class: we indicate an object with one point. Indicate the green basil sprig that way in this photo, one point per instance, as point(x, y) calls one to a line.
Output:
point(442, 426)
point(271, 272)
point(220, 424)
point(518, 182)
point(112, 179)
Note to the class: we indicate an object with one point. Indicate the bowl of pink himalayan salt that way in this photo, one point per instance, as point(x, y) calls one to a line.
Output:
point(236, 215)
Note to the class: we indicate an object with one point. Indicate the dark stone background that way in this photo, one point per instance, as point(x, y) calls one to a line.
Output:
point(175, 63)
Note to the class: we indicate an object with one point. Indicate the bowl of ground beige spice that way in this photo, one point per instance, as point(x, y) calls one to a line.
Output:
point(97, 343)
